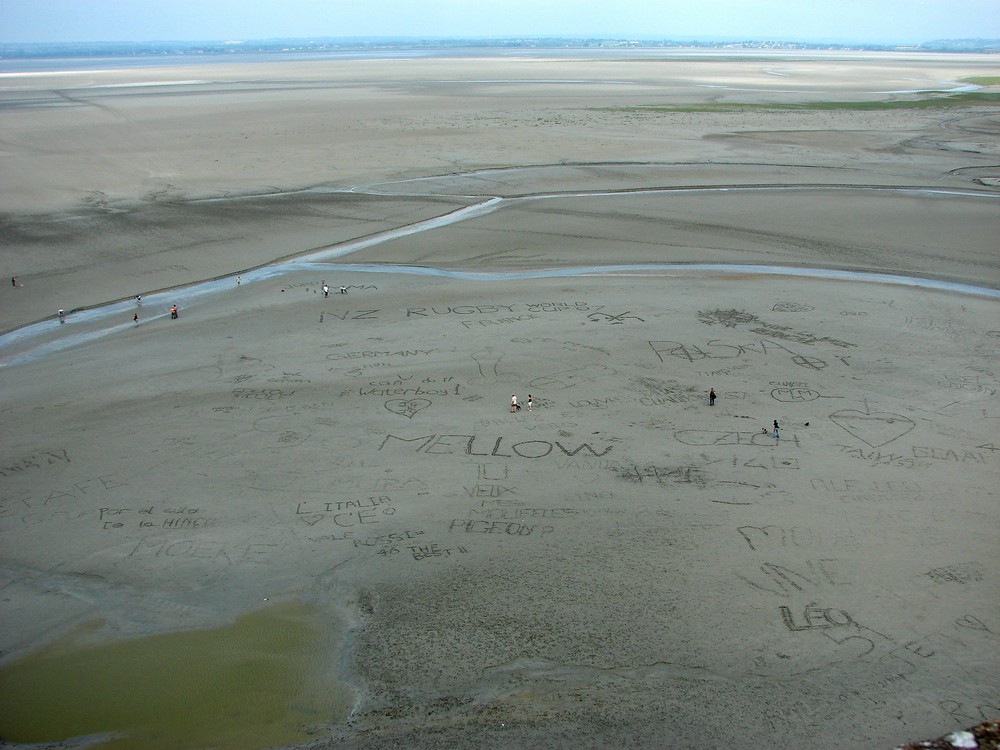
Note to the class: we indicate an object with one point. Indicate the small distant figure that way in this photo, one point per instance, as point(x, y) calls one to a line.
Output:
point(239, 280)
point(62, 316)
point(135, 319)
point(343, 290)
point(173, 312)
point(326, 290)
point(138, 300)
point(514, 406)
point(776, 432)
point(807, 424)
point(13, 280)
point(530, 402)
point(711, 397)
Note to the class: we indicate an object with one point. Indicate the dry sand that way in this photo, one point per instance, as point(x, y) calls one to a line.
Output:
point(622, 564)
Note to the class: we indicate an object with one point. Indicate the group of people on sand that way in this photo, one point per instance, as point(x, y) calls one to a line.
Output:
point(515, 405)
point(61, 314)
point(135, 317)
point(138, 301)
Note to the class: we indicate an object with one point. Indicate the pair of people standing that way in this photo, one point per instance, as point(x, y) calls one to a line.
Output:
point(135, 317)
point(326, 289)
point(516, 406)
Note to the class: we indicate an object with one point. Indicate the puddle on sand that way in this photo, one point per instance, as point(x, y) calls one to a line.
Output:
point(252, 684)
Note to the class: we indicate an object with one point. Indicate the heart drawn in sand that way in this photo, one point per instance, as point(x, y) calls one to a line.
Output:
point(407, 407)
point(875, 428)
point(968, 621)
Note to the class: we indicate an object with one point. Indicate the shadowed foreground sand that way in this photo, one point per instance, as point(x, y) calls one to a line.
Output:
point(336, 484)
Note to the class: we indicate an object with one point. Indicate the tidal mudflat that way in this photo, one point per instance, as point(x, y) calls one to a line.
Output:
point(330, 492)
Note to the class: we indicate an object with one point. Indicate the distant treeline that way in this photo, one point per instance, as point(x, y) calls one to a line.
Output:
point(334, 45)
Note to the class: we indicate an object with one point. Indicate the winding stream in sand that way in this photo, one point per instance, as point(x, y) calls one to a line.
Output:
point(47, 336)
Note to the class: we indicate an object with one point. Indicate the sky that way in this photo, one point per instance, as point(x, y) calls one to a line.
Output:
point(872, 21)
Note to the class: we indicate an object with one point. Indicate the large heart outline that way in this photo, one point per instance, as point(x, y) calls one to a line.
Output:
point(407, 407)
point(874, 428)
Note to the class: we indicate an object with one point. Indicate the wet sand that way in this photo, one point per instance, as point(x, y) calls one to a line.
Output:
point(624, 563)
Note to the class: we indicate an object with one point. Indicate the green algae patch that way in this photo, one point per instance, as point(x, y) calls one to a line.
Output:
point(256, 683)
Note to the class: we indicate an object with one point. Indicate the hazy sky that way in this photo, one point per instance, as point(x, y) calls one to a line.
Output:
point(893, 21)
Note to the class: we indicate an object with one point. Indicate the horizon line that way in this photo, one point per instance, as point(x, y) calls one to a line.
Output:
point(368, 39)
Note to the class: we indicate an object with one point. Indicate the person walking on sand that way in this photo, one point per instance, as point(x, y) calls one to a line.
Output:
point(62, 316)
point(138, 300)
point(711, 397)
point(514, 406)
point(135, 319)
point(530, 402)
point(326, 290)
point(173, 312)
point(343, 290)
point(776, 433)
point(13, 281)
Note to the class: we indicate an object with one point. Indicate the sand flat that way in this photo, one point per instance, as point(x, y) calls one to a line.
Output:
point(622, 564)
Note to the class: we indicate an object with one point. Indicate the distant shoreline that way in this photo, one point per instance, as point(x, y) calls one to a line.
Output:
point(18, 60)
point(341, 48)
